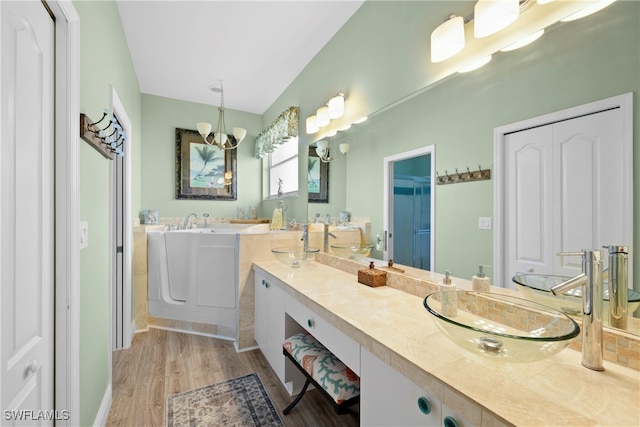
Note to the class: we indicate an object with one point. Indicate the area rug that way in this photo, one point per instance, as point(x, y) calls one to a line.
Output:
point(241, 401)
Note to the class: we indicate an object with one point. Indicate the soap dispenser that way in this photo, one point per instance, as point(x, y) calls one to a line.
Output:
point(449, 296)
point(480, 282)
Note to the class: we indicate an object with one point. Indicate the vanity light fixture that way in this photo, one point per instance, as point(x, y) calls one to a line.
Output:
point(334, 109)
point(447, 39)
point(312, 124)
point(491, 16)
point(220, 138)
point(336, 106)
point(523, 41)
point(591, 9)
point(322, 116)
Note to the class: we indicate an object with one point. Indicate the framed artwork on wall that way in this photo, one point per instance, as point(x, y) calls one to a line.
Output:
point(203, 171)
point(317, 178)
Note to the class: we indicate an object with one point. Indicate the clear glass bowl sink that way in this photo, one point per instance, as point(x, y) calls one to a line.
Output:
point(537, 287)
point(501, 327)
point(354, 251)
point(295, 256)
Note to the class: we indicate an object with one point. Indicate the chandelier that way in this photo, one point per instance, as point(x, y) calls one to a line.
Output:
point(220, 138)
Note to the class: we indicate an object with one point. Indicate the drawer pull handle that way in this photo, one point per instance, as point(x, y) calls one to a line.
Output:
point(449, 422)
point(310, 323)
point(424, 405)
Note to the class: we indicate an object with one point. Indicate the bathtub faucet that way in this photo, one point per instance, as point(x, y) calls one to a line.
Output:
point(186, 219)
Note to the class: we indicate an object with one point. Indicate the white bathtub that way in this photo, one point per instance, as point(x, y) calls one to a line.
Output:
point(193, 276)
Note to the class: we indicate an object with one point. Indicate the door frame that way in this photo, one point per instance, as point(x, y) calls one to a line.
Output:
point(625, 103)
point(387, 215)
point(124, 310)
point(67, 210)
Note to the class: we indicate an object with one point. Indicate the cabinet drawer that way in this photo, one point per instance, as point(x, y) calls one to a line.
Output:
point(345, 348)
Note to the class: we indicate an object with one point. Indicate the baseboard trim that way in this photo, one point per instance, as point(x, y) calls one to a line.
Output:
point(105, 407)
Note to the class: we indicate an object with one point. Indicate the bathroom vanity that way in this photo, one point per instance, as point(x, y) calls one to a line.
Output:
point(386, 336)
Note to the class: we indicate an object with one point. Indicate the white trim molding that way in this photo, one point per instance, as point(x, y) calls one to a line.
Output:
point(67, 207)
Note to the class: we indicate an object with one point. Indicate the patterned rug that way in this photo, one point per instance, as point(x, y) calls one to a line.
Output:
point(241, 401)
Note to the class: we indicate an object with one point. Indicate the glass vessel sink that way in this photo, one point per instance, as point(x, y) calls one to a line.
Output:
point(501, 327)
point(295, 256)
point(537, 287)
point(354, 251)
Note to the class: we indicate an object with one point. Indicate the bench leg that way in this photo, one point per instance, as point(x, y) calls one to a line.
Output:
point(297, 399)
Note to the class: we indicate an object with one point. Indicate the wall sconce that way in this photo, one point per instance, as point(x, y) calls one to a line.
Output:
point(324, 152)
point(334, 109)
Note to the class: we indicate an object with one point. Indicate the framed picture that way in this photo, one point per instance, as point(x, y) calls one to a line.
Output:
point(317, 178)
point(203, 171)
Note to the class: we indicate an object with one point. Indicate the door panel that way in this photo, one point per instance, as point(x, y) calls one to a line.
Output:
point(563, 192)
point(528, 206)
point(26, 218)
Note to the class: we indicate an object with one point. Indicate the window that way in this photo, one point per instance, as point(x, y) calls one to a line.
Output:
point(283, 170)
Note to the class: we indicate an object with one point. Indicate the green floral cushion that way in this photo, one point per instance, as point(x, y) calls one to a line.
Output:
point(323, 366)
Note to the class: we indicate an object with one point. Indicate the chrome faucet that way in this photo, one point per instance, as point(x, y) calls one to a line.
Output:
point(206, 217)
point(591, 281)
point(618, 279)
point(327, 233)
point(186, 219)
point(305, 237)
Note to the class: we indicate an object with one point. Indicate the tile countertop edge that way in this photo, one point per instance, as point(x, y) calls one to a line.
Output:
point(479, 389)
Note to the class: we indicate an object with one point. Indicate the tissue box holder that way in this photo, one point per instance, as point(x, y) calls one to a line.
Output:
point(372, 277)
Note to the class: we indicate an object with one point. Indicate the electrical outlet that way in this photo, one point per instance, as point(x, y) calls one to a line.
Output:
point(484, 223)
point(84, 234)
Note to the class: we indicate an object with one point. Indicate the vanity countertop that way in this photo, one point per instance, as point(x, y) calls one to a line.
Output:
point(395, 326)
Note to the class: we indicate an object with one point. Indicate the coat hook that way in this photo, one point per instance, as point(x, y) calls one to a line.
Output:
point(458, 173)
point(480, 170)
point(439, 177)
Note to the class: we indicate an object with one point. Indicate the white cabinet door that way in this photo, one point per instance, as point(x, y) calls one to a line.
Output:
point(387, 398)
point(269, 322)
point(564, 191)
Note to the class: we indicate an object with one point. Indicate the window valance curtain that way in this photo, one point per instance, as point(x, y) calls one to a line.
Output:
point(278, 132)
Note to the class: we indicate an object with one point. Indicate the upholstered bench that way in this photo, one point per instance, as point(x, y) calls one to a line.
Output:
point(339, 384)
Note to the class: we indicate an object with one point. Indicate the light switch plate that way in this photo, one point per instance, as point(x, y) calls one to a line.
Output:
point(484, 223)
point(84, 234)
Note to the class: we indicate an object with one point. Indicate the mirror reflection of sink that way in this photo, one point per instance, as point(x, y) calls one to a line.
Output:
point(295, 256)
point(537, 287)
point(502, 327)
point(355, 251)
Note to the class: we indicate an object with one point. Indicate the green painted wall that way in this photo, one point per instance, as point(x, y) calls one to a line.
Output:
point(104, 61)
point(160, 118)
point(377, 58)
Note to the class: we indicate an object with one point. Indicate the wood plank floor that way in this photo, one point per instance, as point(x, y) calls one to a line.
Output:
point(161, 363)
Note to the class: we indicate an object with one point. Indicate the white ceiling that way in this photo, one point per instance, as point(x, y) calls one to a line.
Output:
point(181, 48)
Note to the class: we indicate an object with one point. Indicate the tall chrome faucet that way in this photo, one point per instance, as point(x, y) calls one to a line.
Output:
point(618, 280)
point(305, 237)
point(591, 281)
point(327, 233)
point(186, 219)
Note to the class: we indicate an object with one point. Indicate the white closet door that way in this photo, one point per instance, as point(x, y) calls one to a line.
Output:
point(563, 192)
point(27, 212)
point(529, 202)
point(588, 172)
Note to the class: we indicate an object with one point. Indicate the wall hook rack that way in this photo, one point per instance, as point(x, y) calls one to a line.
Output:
point(458, 177)
point(106, 135)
